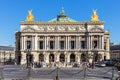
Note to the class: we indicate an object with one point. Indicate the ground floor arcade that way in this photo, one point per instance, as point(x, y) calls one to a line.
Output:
point(62, 57)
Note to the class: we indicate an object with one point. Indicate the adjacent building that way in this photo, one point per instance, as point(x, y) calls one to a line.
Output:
point(7, 54)
point(115, 52)
point(62, 40)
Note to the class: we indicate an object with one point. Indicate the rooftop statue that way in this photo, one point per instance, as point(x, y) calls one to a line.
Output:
point(94, 16)
point(30, 16)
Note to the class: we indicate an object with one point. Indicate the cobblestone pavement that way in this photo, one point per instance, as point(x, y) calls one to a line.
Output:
point(18, 72)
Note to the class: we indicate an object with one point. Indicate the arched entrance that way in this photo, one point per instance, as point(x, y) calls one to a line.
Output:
point(41, 57)
point(96, 57)
point(62, 57)
point(51, 58)
point(83, 57)
point(72, 57)
point(29, 58)
point(19, 59)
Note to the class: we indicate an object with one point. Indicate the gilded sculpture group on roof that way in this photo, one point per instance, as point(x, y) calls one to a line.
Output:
point(62, 17)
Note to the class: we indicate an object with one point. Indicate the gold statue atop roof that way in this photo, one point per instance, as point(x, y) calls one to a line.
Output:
point(94, 16)
point(30, 16)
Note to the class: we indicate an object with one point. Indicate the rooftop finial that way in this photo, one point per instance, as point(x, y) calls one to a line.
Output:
point(30, 16)
point(62, 13)
point(94, 16)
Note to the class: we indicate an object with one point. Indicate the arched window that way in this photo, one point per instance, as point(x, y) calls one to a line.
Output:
point(41, 57)
point(72, 57)
point(51, 58)
point(62, 57)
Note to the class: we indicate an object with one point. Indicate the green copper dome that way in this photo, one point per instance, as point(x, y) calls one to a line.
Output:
point(62, 17)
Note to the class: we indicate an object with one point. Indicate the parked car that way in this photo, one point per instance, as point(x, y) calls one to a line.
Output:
point(109, 62)
point(100, 64)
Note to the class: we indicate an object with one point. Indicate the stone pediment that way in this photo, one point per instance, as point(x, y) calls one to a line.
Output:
point(28, 30)
point(96, 29)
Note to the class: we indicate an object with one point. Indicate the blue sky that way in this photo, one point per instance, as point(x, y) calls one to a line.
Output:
point(12, 12)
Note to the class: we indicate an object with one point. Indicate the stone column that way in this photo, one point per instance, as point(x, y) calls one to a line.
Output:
point(98, 42)
point(68, 42)
point(25, 43)
point(78, 57)
point(91, 42)
point(87, 42)
point(36, 42)
point(108, 43)
point(33, 42)
point(102, 42)
point(57, 57)
point(55, 42)
point(58, 43)
point(66, 38)
point(22, 42)
point(47, 57)
point(68, 58)
point(45, 42)
point(77, 42)
point(36, 57)
point(23, 58)
point(107, 48)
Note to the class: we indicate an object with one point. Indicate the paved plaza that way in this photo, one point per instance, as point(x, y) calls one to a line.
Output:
point(20, 72)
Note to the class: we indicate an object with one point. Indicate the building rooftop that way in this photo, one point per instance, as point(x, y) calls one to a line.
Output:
point(115, 47)
point(62, 17)
point(7, 48)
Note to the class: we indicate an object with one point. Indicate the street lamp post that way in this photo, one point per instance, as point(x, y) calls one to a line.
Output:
point(2, 70)
point(66, 62)
point(57, 75)
point(93, 61)
point(4, 57)
point(113, 78)
point(29, 76)
point(85, 68)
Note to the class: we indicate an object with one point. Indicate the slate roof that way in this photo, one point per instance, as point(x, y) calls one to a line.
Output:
point(115, 47)
point(7, 48)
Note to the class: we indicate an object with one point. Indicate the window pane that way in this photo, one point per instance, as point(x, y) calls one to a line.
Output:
point(61, 44)
point(52, 44)
point(82, 44)
point(72, 45)
point(28, 44)
point(41, 44)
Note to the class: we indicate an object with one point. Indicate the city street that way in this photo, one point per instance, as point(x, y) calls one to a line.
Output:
point(18, 72)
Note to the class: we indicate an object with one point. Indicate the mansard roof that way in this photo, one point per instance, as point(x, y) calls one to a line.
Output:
point(115, 47)
point(7, 48)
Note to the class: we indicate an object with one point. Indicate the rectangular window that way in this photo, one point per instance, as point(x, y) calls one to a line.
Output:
point(95, 44)
point(61, 44)
point(105, 45)
point(82, 44)
point(72, 44)
point(28, 44)
point(52, 44)
point(41, 45)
